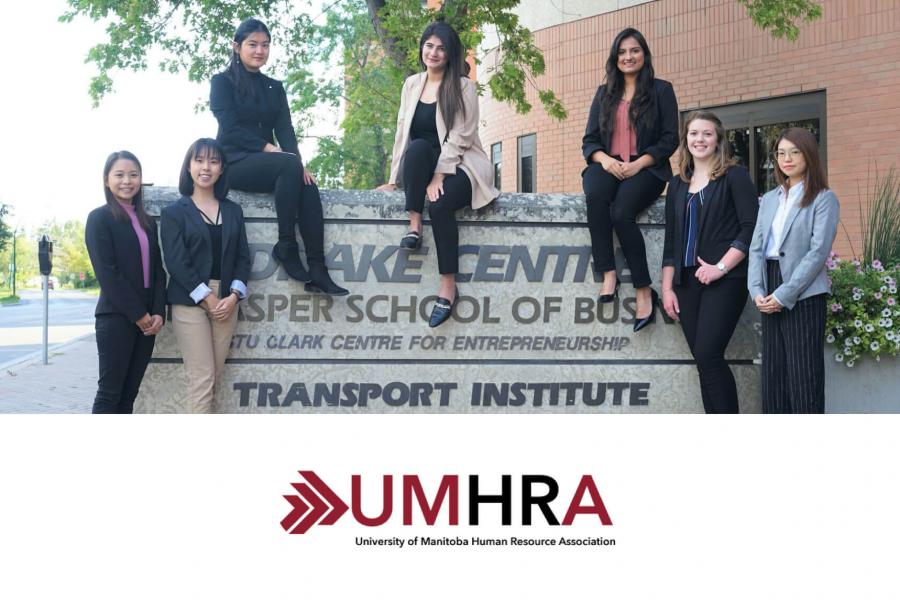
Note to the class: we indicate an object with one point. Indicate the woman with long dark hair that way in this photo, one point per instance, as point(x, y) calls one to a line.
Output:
point(631, 132)
point(122, 242)
point(787, 276)
point(249, 107)
point(437, 154)
point(205, 246)
point(711, 210)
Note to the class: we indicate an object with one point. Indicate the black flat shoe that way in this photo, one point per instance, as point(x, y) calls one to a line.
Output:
point(607, 298)
point(442, 310)
point(287, 254)
point(321, 282)
point(411, 241)
point(641, 323)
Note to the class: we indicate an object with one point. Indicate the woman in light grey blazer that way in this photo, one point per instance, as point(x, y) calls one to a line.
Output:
point(794, 231)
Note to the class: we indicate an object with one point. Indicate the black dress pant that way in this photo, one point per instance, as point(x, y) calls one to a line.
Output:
point(124, 352)
point(419, 163)
point(614, 205)
point(793, 354)
point(709, 314)
point(282, 173)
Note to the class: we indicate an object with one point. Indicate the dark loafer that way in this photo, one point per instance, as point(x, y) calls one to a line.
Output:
point(411, 241)
point(442, 310)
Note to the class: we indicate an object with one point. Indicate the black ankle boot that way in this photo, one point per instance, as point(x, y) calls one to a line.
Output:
point(287, 254)
point(321, 283)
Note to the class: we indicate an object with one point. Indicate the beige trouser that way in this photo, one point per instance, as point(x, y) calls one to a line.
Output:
point(204, 346)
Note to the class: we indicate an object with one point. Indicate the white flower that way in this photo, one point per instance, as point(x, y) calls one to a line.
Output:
point(829, 338)
point(850, 363)
point(892, 289)
point(839, 357)
point(856, 340)
point(888, 323)
point(886, 312)
point(874, 346)
point(869, 328)
point(848, 342)
point(840, 330)
point(857, 323)
point(857, 296)
point(889, 336)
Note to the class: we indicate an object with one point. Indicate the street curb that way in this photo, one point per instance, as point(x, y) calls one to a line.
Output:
point(38, 354)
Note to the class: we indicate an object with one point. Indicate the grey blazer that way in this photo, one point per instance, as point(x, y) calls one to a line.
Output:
point(808, 235)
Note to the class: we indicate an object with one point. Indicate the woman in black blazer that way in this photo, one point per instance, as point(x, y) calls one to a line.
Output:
point(205, 246)
point(631, 132)
point(122, 242)
point(249, 106)
point(710, 215)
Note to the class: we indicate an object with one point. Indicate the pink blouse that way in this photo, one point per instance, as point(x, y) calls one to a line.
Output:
point(142, 240)
point(624, 138)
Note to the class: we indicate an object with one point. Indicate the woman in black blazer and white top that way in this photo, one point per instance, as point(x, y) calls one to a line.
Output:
point(122, 242)
point(249, 106)
point(205, 246)
point(710, 214)
point(631, 132)
point(787, 279)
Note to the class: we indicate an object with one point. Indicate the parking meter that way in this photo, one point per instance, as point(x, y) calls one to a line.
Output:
point(45, 255)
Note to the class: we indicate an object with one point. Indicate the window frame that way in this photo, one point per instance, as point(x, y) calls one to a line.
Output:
point(520, 156)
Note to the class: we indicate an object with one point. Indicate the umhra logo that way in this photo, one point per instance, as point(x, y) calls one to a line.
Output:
point(315, 503)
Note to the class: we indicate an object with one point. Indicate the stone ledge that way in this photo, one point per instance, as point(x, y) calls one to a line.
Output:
point(389, 206)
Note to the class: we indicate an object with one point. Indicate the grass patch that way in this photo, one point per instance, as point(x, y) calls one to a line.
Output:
point(11, 299)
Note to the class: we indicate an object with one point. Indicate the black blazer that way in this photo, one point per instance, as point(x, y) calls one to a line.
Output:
point(727, 219)
point(659, 140)
point(246, 123)
point(115, 255)
point(188, 250)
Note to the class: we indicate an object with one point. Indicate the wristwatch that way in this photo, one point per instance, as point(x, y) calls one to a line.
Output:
point(721, 266)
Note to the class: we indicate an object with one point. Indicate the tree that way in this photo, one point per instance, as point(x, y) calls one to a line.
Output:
point(780, 17)
point(5, 232)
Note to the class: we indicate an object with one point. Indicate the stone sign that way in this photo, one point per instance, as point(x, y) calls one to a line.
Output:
point(527, 334)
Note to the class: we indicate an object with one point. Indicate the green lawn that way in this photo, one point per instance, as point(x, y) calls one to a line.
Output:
point(10, 299)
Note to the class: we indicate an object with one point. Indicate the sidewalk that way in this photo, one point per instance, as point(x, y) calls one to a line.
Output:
point(66, 385)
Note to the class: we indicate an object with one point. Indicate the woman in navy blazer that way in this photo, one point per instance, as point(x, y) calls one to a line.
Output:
point(711, 210)
point(787, 279)
point(249, 107)
point(206, 252)
point(121, 240)
point(631, 132)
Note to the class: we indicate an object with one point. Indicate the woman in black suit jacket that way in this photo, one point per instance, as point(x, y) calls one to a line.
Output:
point(710, 215)
point(249, 106)
point(631, 132)
point(122, 242)
point(205, 246)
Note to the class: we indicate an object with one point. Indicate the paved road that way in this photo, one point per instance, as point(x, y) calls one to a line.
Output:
point(71, 315)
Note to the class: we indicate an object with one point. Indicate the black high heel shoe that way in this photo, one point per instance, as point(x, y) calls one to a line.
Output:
point(641, 323)
point(442, 310)
point(287, 254)
point(321, 282)
point(607, 298)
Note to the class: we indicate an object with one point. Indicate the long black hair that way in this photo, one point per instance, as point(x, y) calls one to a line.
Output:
point(137, 201)
point(237, 73)
point(204, 147)
point(450, 92)
point(615, 85)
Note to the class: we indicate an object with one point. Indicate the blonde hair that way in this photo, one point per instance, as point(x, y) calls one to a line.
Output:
point(721, 158)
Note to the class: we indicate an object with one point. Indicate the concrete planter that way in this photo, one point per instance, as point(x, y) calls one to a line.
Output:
point(868, 387)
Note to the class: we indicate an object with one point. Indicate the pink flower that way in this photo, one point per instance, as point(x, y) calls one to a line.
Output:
point(891, 301)
point(876, 264)
point(835, 307)
point(878, 295)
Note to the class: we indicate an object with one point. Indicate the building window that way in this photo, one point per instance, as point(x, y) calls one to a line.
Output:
point(527, 173)
point(497, 161)
point(752, 128)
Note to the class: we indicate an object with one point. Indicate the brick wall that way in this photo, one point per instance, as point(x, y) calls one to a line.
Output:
point(713, 55)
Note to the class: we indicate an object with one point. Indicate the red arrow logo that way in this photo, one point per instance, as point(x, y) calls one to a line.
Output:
point(312, 504)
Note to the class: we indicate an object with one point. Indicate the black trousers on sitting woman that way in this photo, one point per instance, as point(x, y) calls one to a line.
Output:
point(614, 204)
point(709, 314)
point(419, 162)
point(282, 173)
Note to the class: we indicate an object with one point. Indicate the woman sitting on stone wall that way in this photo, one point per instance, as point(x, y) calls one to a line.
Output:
point(631, 132)
point(437, 154)
point(249, 106)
